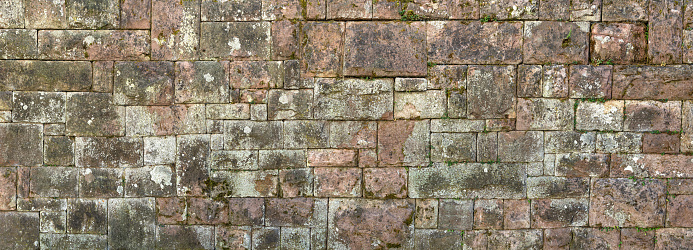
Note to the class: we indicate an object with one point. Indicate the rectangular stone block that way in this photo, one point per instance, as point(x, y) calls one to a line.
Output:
point(132, 223)
point(521, 9)
point(228, 11)
point(230, 236)
point(630, 10)
point(261, 183)
point(385, 49)
point(465, 43)
point(550, 187)
point(588, 81)
point(521, 146)
point(85, 14)
point(661, 143)
point(12, 14)
point(101, 182)
point(403, 143)
point(53, 182)
point(352, 230)
point(81, 241)
point(322, 49)
point(103, 77)
point(491, 92)
point(87, 216)
point(253, 135)
point(622, 142)
point(207, 211)
point(349, 10)
point(175, 30)
point(457, 125)
point(294, 212)
point(18, 44)
point(234, 160)
point(202, 82)
point(453, 147)
point(556, 42)
point(544, 114)
point(620, 43)
point(627, 203)
point(109, 152)
point(385, 183)
point(352, 134)
point(290, 104)
point(38, 107)
point(486, 181)
point(45, 75)
point(601, 116)
point(353, 99)
point(338, 182)
point(569, 142)
point(306, 134)
point(651, 165)
point(555, 213)
point(143, 83)
point(192, 169)
point(135, 14)
point(46, 14)
point(58, 150)
point(256, 74)
point(582, 165)
point(488, 214)
point(165, 120)
point(456, 214)
point(283, 9)
point(102, 118)
point(426, 213)
point(586, 10)
point(22, 144)
point(235, 40)
point(8, 188)
point(665, 29)
point(188, 237)
point(19, 230)
point(296, 182)
point(150, 181)
point(94, 44)
point(652, 116)
point(278, 159)
point(653, 82)
point(159, 150)
point(418, 105)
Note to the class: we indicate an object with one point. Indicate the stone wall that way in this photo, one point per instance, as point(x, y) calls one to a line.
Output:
point(346, 124)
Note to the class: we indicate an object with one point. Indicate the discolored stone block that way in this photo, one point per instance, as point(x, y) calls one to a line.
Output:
point(488, 214)
point(385, 49)
point(620, 43)
point(8, 188)
point(84, 14)
point(600, 116)
point(229, 236)
point(285, 41)
point(296, 182)
point(665, 28)
point(305, 134)
point(385, 183)
point(175, 30)
point(673, 237)
point(647, 82)
point(135, 14)
point(652, 116)
point(419, 105)
point(517, 146)
point(192, 169)
point(332, 158)
point(586, 10)
point(295, 238)
point(261, 183)
point(554, 81)
point(246, 211)
point(233, 111)
point(517, 9)
point(253, 135)
point(651, 165)
point(452, 77)
point(626, 203)
point(453, 147)
point(553, 213)
point(45, 14)
point(98, 152)
point(45, 75)
point(516, 214)
point(631, 10)
point(437, 239)
point(661, 143)
point(403, 143)
point(12, 14)
point(283, 9)
point(352, 134)
point(388, 222)
point(234, 160)
point(94, 45)
point(235, 40)
point(411, 84)
point(143, 83)
point(491, 92)
point(544, 114)
point(633, 238)
point(207, 211)
point(39, 107)
point(165, 120)
point(53, 182)
point(171, 210)
point(102, 119)
point(6, 100)
point(426, 213)
point(102, 76)
point(556, 42)
point(550, 187)
point(156, 181)
point(582, 165)
point(52, 222)
point(186, 237)
point(81, 241)
point(131, 223)
point(529, 81)
point(201, 82)
point(515, 239)
point(266, 238)
point(294, 212)
point(290, 104)
point(624, 142)
point(592, 238)
point(353, 99)
point(337, 182)
point(228, 11)
point(256, 74)
point(679, 209)
point(101, 182)
point(19, 230)
point(347, 10)
point(159, 150)
point(554, 10)
point(322, 49)
point(463, 43)
point(18, 44)
point(277, 159)
point(569, 141)
point(470, 180)
point(588, 81)
point(87, 216)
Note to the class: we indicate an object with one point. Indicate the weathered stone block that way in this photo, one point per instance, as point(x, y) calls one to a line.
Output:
point(516, 214)
point(652, 116)
point(385, 183)
point(45, 75)
point(347, 10)
point(18, 44)
point(544, 114)
point(143, 83)
point(582, 165)
point(627, 203)
point(515, 239)
point(87, 216)
point(488, 214)
point(385, 49)
point(631, 10)
point(403, 143)
point(165, 120)
point(337, 182)
point(529, 81)
point(12, 14)
point(98, 152)
point(84, 14)
point(94, 45)
point(306, 134)
point(322, 49)
point(453, 147)
point(679, 209)
point(22, 145)
point(554, 81)
point(554, 10)
point(586, 10)
point(235, 40)
point(150, 181)
point(253, 135)
point(457, 125)
point(426, 213)
point(52, 222)
point(661, 143)
point(93, 114)
point(353, 99)
point(131, 223)
point(102, 76)
point(207, 211)
point(187, 237)
point(192, 169)
point(256, 74)
point(39, 107)
point(266, 238)
point(388, 222)
point(463, 43)
point(411, 84)
point(8, 188)
point(81, 241)
point(290, 104)
point(237, 111)
point(230, 236)
point(159, 150)
point(352, 134)
point(665, 28)
point(651, 165)
point(518, 146)
point(648, 82)
point(233, 160)
point(53, 182)
point(101, 182)
point(600, 116)
point(19, 230)
point(569, 141)
point(419, 105)
point(294, 212)
point(622, 142)
point(171, 210)
point(332, 158)
point(553, 213)
point(246, 211)
point(557, 187)
point(621, 43)
point(296, 182)
point(516, 9)
point(202, 82)
point(556, 42)
point(497, 181)
point(588, 81)
point(135, 14)
point(673, 237)
point(634, 238)
point(228, 11)
point(491, 92)
point(262, 183)
point(6, 100)
point(175, 30)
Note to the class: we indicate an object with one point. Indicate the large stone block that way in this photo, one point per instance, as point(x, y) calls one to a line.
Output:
point(94, 45)
point(600, 116)
point(653, 82)
point(627, 203)
point(420, 105)
point(322, 49)
point(228, 11)
point(165, 120)
point(261, 183)
point(556, 42)
point(235, 40)
point(253, 135)
point(385, 49)
point(202, 82)
point(192, 169)
point(491, 92)
point(466, 43)
point(544, 114)
point(353, 99)
point(99, 152)
point(132, 223)
point(509, 9)
point(403, 143)
point(290, 104)
point(19, 230)
point(22, 145)
point(143, 83)
point(45, 75)
point(53, 182)
point(652, 116)
point(453, 147)
point(359, 223)
point(504, 180)
point(175, 33)
point(18, 44)
point(652, 166)
point(93, 114)
point(621, 43)
point(521, 146)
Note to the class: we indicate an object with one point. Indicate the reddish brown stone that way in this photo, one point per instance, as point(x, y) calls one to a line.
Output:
point(385, 183)
point(426, 213)
point(171, 210)
point(652, 165)
point(680, 211)
point(349, 9)
point(207, 211)
point(588, 81)
point(653, 82)
point(627, 203)
point(253, 96)
point(359, 223)
point(246, 211)
point(629, 10)
point(529, 81)
point(22, 144)
point(671, 238)
point(332, 158)
point(665, 28)
point(555, 42)
point(101, 182)
point(555, 10)
point(582, 165)
point(235, 40)
point(620, 43)
point(337, 182)
point(687, 45)
point(661, 143)
point(175, 29)
point(488, 214)
point(635, 238)
point(135, 14)
point(491, 92)
point(456, 214)
point(296, 182)
point(521, 146)
point(322, 49)
point(385, 49)
point(402, 142)
point(465, 43)
point(236, 238)
point(45, 14)
point(509, 9)
point(256, 75)
point(557, 238)
point(680, 186)
point(553, 213)
point(93, 45)
point(282, 9)
point(8, 188)
point(294, 212)
point(368, 158)
point(652, 116)
point(515, 239)
point(285, 43)
point(516, 214)
point(192, 171)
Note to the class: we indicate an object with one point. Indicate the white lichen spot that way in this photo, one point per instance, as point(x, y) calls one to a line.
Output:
point(235, 44)
point(161, 175)
point(247, 130)
point(120, 189)
point(208, 77)
point(89, 40)
point(284, 99)
point(628, 168)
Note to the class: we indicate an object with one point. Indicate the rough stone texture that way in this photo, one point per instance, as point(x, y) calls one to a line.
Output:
point(606, 116)
point(22, 145)
point(653, 82)
point(94, 45)
point(626, 203)
point(350, 99)
point(175, 32)
point(45, 75)
point(491, 92)
point(620, 43)
point(544, 114)
point(556, 42)
point(590, 81)
point(468, 181)
point(464, 43)
point(359, 223)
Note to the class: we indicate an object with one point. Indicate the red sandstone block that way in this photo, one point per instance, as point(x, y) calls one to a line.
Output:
point(385, 183)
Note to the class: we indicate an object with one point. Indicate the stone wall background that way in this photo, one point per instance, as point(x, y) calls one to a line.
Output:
point(346, 124)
